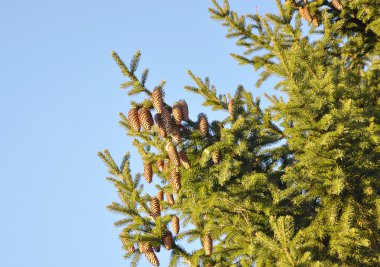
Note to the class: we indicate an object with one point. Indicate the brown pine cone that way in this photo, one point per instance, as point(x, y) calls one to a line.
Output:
point(176, 133)
point(168, 240)
point(215, 156)
point(160, 165)
point(144, 247)
point(155, 207)
point(160, 125)
point(207, 244)
point(175, 180)
point(231, 108)
point(167, 119)
point(132, 249)
point(160, 195)
point(169, 198)
point(145, 118)
point(185, 110)
point(133, 119)
point(203, 124)
point(152, 258)
point(157, 248)
point(177, 113)
point(305, 13)
point(315, 22)
point(172, 153)
point(175, 224)
point(184, 160)
point(337, 4)
point(148, 172)
point(157, 99)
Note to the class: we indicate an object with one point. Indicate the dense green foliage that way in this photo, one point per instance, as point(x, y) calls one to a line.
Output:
point(297, 184)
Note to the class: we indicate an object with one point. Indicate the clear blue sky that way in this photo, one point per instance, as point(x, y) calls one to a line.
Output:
point(59, 104)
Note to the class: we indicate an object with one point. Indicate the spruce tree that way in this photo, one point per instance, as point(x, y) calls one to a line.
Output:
point(296, 184)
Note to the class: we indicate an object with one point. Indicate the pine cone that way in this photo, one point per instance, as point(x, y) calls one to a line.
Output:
point(148, 172)
point(176, 133)
point(132, 249)
point(175, 179)
point(160, 195)
point(185, 110)
point(160, 165)
point(175, 224)
point(168, 240)
point(172, 153)
point(157, 99)
point(152, 258)
point(231, 108)
point(315, 22)
point(215, 156)
point(155, 207)
point(203, 124)
point(207, 244)
point(305, 13)
point(177, 113)
point(337, 4)
point(167, 119)
point(144, 247)
point(160, 125)
point(169, 199)
point(184, 160)
point(133, 119)
point(145, 118)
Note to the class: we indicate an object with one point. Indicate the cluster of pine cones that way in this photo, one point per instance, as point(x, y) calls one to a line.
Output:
point(306, 15)
point(168, 123)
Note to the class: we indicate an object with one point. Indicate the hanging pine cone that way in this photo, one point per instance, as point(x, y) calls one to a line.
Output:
point(152, 258)
point(215, 156)
point(160, 195)
point(132, 249)
point(203, 124)
point(184, 160)
point(337, 4)
point(157, 248)
point(305, 13)
point(144, 247)
point(177, 113)
point(169, 199)
point(167, 119)
point(160, 125)
point(176, 133)
point(155, 207)
point(231, 108)
point(157, 99)
point(145, 118)
point(133, 119)
point(185, 110)
point(315, 22)
point(172, 153)
point(160, 165)
point(148, 172)
point(168, 240)
point(175, 224)
point(207, 244)
point(175, 180)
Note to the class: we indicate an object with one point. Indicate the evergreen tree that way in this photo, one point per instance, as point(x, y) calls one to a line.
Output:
point(296, 184)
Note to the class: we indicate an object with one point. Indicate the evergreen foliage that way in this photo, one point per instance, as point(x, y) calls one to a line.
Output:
point(296, 184)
